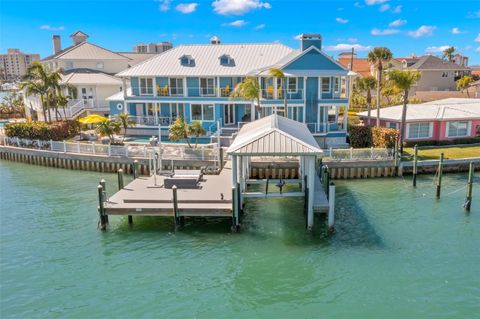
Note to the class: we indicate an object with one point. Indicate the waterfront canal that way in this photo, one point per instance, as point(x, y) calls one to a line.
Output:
point(397, 253)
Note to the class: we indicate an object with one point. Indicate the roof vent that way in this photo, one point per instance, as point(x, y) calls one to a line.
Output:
point(215, 40)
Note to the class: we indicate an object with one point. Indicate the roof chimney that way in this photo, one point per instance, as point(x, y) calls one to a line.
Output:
point(215, 40)
point(57, 46)
point(311, 39)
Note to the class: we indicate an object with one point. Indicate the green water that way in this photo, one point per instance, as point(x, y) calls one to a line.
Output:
point(397, 253)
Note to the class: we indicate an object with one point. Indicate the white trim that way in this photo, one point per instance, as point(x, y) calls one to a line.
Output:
point(200, 86)
point(430, 131)
point(140, 86)
point(202, 120)
point(233, 110)
point(288, 85)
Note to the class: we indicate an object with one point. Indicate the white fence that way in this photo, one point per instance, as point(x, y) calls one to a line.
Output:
point(360, 154)
point(169, 151)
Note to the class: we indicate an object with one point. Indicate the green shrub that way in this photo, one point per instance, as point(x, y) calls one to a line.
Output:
point(43, 131)
point(360, 136)
point(384, 137)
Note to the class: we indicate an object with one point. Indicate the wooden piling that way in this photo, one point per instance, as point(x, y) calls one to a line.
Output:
point(104, 186)
point(396, 157)
point(175, 206)
point(468, 199)
point(331, 205)
point(415, 159)
point(101, 209)
point(439, 177)
point(135, 169)
point(220, 157)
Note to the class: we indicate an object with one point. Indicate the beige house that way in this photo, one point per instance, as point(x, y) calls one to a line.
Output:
point(90, 69)
point(14, 64)
point(436, 74)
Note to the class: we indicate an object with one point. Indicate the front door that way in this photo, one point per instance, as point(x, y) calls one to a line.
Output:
point(229, 114)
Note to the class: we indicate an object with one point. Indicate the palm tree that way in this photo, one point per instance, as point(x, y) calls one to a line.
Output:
point(278, 74)
point(448, 54)
point(195, 129)
point(249, 89)
point(378, 56)
point(43, 82)
point(108, 128)
point(178, 131)
point(403, 80)
point(367, 84)
point(125, 122)
point(464, 83)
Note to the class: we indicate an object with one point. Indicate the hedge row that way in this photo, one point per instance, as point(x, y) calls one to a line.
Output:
point(368, 136)
point(458, 141)
point(57, 131)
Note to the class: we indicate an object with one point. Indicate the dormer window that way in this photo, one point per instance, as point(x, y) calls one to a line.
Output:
point(226, 60)
point(187, 60)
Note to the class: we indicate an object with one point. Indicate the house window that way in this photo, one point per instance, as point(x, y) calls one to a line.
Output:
point(336, 85)
point(419, 130)
point(325, 84)
point(177, 110)
point(68, 65)
point(119, 106)
point(176, 86)
point(202, 112)
point(146, 86)
point(457, 129)
point(392, 125)
point(332, 114)
point(292, 85)
point(207, 86)
point(187, 60)
point(226, 60)
point(99, 65)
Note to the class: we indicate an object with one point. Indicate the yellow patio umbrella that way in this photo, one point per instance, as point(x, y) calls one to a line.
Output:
point(92, 119)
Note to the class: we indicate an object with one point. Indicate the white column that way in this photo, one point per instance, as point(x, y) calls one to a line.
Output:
point(331, 205)
point(252, 111)
point(311, 189)
point(124, 88)
point(234, 170)
point(241, 177)
point(301, 173)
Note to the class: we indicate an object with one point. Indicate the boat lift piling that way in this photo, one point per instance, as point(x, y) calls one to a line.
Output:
point(468, 198)
point(415, 168)
point(439, 176)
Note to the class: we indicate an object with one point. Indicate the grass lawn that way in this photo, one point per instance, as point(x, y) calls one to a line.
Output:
point(449, 152)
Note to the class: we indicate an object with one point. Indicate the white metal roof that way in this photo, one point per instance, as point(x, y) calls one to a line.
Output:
point(90, 79)
point(274, 135)
point(246, 57)
point(89, 51)
point(440, 110)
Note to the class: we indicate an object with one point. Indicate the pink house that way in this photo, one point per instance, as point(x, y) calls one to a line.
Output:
point(447, 119)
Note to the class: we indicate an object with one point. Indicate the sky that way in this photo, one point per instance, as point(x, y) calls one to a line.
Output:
point(405, 27)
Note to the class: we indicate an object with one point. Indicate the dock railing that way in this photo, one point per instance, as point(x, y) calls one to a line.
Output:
point(208, 152)
point(359, 154)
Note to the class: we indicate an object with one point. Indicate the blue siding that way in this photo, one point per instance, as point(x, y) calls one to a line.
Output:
point(135, 86)
point(313, 60)
point(311, 100)
point(313, 42)
point(161, 82)
point(193, 87)
point(164, 109)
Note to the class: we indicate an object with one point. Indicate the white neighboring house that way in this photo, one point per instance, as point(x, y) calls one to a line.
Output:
point(91, 69)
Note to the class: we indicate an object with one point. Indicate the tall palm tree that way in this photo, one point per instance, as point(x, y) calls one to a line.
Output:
point(278, 74)
point(249, 89)
point(125, 122)
point(367, 84)
point(448, 54)
point(403, 80)
point(179, 131)
point(43, 82)
point(195, 129)
point(377, 56)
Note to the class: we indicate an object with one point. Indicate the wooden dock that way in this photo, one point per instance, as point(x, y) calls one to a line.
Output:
point(142, 198)
point(320, 201)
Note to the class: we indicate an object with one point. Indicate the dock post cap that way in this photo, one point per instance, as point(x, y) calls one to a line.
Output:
point(332, 183)
point(120, 170)
point(99, 187)
point(174, 187)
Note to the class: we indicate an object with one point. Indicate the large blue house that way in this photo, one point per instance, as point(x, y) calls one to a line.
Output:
point(196, 82)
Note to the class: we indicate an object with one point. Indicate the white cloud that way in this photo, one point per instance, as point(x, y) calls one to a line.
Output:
point(186, 7)
point(477, 39)
point(358, 5)
point(424, 30)
point(397, 9)
point(477, 50)
point(340, 20)
point(456, 30)
point(164, 5)
point(384, 32)
point(474, 15)
point(438, 49)
point(51, 28)
point(374, 2)
point(347, 47)
point(236, 23)
point(297, 37)
point(397, 23)
point(384, 7)
point(260, 26)
point(238, 7)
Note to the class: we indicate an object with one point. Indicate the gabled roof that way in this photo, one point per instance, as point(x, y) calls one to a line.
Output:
point(78, 33)
point(440, 110)
point(247, 57)
point(86, 51)
point(136, 58)
point(274, 135)
point(84, 78)
point(430, 62)
point(361, 66)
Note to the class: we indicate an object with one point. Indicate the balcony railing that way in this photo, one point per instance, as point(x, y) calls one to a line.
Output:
point(323, 127)
point(167, 91)
point(151, 120)
point(278, 94)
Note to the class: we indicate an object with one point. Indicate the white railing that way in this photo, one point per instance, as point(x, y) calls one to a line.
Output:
point(323, 127)
point(207, 152)
point(151, 120)
point(359, 154)
point(278, 94)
